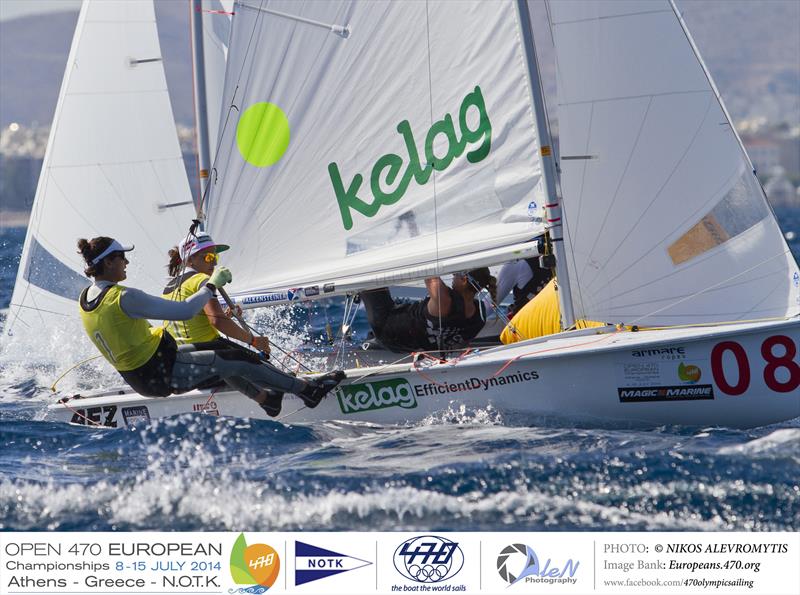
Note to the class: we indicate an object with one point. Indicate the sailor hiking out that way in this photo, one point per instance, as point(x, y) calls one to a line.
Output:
point(115, 318)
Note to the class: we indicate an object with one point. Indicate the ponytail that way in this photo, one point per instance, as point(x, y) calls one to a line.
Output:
point(175, 262)
point(91, 249)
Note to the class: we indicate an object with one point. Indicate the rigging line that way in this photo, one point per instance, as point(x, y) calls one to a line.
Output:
point(642, 96)
point(300, 143)
point(231, 107)
point(389, 365)
point(478, 291)
point(80, 363)
point(694, 262)
point(440, 334)
point(713, 324)
point(40, 310)
point(662, 298)
point(247, 326)
point(549, 18)
point(712, 287)
point(723, 108)
point(620, 181)
point(678, 163)
point(565, 220)
point(693, 216)
point(124, 203)
point(613, 16)
point(342, 31)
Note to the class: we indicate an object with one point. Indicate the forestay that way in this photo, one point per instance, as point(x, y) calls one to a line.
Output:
point(666, 220)
point(366, 137)
point(112, 158)
point(216, 32)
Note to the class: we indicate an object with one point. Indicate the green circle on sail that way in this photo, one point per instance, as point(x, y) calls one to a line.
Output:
point(263, 134)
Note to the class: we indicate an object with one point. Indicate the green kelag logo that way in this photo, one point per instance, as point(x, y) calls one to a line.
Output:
point(387, 168)
point(367, 396)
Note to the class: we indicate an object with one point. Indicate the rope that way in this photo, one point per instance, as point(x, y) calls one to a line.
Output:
point(57, 380)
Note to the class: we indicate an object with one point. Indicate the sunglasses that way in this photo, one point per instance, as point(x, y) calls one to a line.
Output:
point(211, 257)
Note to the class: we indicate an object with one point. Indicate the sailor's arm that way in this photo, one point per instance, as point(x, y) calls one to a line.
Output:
point(440, 302)
point(138, 304)
point(223, 323)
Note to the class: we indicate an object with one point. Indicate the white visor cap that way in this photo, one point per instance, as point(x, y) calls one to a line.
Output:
point(115, 246)
point(192, 244)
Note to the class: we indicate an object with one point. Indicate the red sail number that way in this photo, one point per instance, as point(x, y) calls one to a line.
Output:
point(774, 362)
point(741, 362)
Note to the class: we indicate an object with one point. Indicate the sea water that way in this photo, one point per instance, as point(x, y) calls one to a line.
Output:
point(460, 469)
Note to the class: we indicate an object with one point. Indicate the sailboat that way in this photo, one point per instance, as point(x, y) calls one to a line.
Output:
point(366, 144)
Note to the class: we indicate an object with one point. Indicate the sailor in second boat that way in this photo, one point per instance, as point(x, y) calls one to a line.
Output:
point(446, 320)
point(115, 318)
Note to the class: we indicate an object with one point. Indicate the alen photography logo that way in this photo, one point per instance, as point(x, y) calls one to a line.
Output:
point(518, 562)
point(428, 559)
point(256, 565)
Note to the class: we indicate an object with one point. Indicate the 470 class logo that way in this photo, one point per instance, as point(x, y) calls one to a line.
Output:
point(428, 559)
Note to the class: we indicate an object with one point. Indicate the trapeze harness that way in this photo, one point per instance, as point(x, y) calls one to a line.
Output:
point(142, 354)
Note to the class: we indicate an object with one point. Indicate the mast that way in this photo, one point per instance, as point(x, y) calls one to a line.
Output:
point(200, 107)
point(553, 207)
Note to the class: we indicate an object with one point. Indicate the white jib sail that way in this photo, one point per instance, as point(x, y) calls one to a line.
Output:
point(366, 137)
point(112, 163)
point(666, 221)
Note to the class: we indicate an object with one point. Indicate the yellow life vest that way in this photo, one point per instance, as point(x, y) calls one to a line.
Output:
point(127, 343)
point(198, 329)
point(539, 317)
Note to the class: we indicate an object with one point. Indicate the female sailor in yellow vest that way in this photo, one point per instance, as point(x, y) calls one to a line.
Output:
point(115, 318)
point(539, 317)
point(191, 265)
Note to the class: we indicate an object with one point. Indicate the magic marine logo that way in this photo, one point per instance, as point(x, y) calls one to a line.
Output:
point(256, 565)
point(428, 559)
point(519, 563)
point(445, 141)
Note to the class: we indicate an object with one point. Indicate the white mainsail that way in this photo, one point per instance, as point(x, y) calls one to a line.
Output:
point(324, 168)
point(665, 219)
point(112, 163)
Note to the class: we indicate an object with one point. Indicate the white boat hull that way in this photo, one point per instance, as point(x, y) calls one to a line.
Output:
point(742, 375)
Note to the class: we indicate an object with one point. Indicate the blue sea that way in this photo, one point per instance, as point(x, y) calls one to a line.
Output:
point(458, 470)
